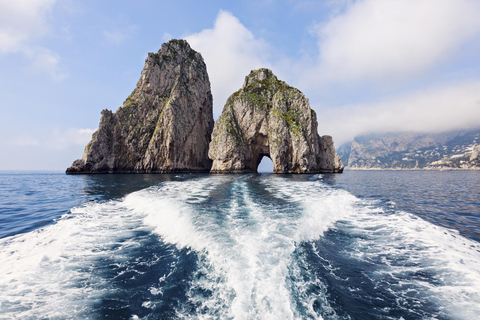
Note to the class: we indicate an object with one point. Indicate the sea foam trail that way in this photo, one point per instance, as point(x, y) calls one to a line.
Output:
point(69, 269)
point(245, 242)
point(426, 270)
point(421, 263)
point(246, 247)
point(51, 272)
point(260, 246)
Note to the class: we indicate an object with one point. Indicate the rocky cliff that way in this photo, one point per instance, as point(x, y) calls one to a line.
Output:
point(166, 123)
point(407, 150)
point(267, 117)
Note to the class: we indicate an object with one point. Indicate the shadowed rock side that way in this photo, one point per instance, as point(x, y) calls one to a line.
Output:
point(267, 117)
point(166, 123)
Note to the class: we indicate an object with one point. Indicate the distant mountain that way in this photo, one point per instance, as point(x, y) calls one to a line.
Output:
point(406, 150)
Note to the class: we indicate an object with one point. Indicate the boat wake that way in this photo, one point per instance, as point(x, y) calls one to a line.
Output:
point(240, 247)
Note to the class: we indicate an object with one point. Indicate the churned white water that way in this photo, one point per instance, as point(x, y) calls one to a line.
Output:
point(50, 272)
point(410, 257)
point(245, 249)
point(419, 259)
point(252, 258)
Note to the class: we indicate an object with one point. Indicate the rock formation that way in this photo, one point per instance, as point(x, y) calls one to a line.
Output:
point(266, 117)
point(166, 123)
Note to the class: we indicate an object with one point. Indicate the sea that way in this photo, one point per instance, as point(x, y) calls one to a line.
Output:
point(356, 245)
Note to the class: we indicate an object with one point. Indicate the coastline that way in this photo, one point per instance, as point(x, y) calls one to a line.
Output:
point(412, 169)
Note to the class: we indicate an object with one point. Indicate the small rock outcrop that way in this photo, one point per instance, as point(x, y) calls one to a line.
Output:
point(165, 125)
point(267, 117)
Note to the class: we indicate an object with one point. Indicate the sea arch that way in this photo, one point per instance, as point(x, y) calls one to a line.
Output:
point(267, 117)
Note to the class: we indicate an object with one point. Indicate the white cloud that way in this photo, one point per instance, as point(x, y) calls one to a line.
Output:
point(46, 62)
point(22, 22)
point(230, 52)
point(24, 140)
point(385, 39)
point(166, 37)
point(45, 149)
point(54, 138)
point(434, 110)
point(59, 139)
point(115, 36)
point(406, 37)
point(119, 36)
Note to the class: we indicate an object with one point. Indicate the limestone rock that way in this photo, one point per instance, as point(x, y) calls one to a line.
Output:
point(166, 123)
point(266, 117)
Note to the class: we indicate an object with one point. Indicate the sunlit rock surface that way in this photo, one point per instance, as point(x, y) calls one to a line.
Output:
point(166, 123)
point(267, 117)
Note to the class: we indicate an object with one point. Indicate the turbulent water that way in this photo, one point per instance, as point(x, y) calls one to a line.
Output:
point(361, 245)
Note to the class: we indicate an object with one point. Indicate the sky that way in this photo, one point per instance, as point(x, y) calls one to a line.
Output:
point(365, 65)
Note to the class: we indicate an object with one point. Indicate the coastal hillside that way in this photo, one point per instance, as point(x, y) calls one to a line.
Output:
point(406, 150)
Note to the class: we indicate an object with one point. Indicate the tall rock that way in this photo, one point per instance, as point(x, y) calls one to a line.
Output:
point(166, 123)
point(267, 117)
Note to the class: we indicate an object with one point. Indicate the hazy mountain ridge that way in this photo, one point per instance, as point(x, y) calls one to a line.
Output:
point(407, 150)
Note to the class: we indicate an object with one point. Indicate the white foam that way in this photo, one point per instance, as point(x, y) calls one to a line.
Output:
point(245, 249)
point(451, 258)
point(245, 252)
point(249, 266)
point(48, 273)
point(409, 245)
point(321, 206)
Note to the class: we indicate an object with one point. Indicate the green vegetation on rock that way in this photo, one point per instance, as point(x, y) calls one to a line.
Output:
point(274, 120)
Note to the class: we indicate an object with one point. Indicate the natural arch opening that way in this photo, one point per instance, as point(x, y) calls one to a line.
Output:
point(265, 165)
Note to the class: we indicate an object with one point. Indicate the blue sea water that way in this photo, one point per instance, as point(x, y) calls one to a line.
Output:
point(357, 245)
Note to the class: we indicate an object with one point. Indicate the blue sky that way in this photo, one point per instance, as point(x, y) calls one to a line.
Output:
point(367, 65)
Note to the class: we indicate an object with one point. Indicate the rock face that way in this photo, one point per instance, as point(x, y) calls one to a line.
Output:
point(166, 123)
point(266, 117)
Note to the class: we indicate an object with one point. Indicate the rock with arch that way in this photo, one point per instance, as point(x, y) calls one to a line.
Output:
point(268, 118)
